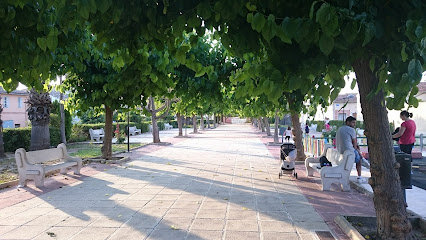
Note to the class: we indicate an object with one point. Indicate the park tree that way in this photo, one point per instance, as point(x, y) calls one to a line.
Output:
point(156, 114)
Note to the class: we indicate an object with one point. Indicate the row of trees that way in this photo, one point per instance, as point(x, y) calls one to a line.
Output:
point(219, 56)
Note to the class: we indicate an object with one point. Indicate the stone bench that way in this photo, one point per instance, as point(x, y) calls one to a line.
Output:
point(96, 134)
point(338, 173)
point(134, 131)
point(167, 126)
point(30, 164)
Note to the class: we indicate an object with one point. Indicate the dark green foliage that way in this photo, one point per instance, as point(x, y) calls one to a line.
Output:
point(55, 120)
point(56, 111)
point(20, 138)
point(90, 117)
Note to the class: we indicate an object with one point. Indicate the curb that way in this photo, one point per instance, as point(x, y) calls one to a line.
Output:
point(9, 184)
point(360, 189)
point(347, 228)
point(103, 161)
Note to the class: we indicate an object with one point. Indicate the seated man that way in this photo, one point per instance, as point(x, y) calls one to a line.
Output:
point(346, 140)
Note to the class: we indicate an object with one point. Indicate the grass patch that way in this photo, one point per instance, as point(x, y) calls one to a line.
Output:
point(94, 150)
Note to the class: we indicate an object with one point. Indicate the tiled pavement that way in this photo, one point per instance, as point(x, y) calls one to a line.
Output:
point(222, 184)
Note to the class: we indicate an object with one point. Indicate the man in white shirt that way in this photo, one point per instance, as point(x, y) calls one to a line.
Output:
point(346, 140)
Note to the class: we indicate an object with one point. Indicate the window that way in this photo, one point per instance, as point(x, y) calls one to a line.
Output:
point(5, 102)
point(342, 116)
point(17, 125)
point(19, 102)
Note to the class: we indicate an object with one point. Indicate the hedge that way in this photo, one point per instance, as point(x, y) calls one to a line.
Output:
point(80, 132)
point(15, 138)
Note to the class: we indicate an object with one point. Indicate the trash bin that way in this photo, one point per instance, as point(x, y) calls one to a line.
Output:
point(404, 169)
point(404, 161)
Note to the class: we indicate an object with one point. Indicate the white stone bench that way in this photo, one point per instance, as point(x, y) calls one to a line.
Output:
point(150, 128)
point(167, 126)
point(338, 173)
point(134, 131)
point(30, 167)
point(96, 134)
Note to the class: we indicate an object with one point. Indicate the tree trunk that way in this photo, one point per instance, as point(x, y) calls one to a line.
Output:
point(61, 109)
point(107, 144)
point(39, 105)
point(262, 124)
point(392, 221)
point(297, 132)
point(276, 135)
point(179, 120)
point(208, 121)
point(1, 133)
point(267, 126)
point(202, 122)
point(214, 121)
point(194, 123)
point(155, 130)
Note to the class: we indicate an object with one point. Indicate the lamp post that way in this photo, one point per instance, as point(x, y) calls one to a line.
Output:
point(128, 132)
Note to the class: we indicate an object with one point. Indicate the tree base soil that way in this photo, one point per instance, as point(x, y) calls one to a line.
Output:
point(367, 228)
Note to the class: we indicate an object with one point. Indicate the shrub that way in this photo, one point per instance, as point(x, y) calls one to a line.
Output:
point(15, 138)
point(55, 120)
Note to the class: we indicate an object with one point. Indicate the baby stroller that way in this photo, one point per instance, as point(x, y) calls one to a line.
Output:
point(288, 156)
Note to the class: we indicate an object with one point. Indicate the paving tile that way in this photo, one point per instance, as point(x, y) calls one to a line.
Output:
point(277, 226)
point(233, 235)
point(175, 223)
point(142, 222)
point(130, 234)
point(24, 232)
point(204, 235)
point(208, 224)
point(94, 233)
point(242, 214)
point(58, 233)
point(181, 212)
point(212, 213)
point(242, 225)
point(167, 234)
point(280, 236)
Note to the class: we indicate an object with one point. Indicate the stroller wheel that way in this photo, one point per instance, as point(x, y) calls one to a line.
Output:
point(295, 175)
point(279, 175)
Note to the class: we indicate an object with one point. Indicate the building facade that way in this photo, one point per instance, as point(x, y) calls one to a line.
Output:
point(342, 111)
point(14, 108)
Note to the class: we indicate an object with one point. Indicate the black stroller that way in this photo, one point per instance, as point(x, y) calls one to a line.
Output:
point(288, 157)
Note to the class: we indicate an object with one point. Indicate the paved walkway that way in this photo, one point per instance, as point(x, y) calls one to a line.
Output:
point(221, 184)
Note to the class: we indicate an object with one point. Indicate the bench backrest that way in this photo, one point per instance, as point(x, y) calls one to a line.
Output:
point(44, 155)
point(132, 128)
point(333, 156)
point(347, 158)
point(96, 131)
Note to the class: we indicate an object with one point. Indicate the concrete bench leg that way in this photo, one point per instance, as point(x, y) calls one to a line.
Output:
point(39, 181)
point(326, 185)
point(310, 171)
point(22, 182)
point(346, 187)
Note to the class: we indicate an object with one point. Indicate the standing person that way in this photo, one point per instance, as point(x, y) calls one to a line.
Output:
point(287, 134)
point(346, 140)
point(306, 130)
point(406, 133)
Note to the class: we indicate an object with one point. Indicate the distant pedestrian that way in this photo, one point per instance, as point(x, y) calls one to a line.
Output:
point(406, 133)
point(346, 140)
point(306, 130)
point(287, 134)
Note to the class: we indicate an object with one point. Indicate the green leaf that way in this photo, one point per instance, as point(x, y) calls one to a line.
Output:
point(370, 31)
point(41, 41)
point(350, 31)
point(289, 26)
point(217, 17)
point(268, 31)
point(326, 44)
point(203, 10)
point(327, 18)
point(372, 64)
point(353, 83)
point(415, 70)
point(118, 62)
point(258, 22)
point(404, 55)
point(250, 17)
point(334, 94)
point(251, 7)
point(103, 5)
point(52, 42)
point(311, 12)
point(1, 76)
